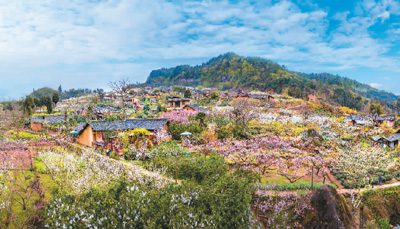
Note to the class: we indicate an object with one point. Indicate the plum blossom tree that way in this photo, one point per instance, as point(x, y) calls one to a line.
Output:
point(179, 116)
point(360, 166)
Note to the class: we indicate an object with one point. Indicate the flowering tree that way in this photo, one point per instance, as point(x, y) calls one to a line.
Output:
point(179, 116)
point(358, 166)
point(279, 211)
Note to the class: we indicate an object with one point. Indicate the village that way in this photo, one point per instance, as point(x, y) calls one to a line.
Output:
point(290, 144)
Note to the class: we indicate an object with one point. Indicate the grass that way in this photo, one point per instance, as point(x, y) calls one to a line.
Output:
point(19, 216)
point(279, 183)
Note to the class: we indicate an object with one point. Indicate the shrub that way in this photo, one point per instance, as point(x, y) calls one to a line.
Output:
point(225, 131)
point(176, 129)
point(168, 149)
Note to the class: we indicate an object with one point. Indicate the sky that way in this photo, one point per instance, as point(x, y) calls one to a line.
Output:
point(88, 43)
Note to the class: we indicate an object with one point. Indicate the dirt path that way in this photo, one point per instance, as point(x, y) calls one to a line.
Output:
point(339, 190)
point(376, 187)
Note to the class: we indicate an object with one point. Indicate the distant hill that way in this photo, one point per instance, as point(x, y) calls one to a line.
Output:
point(231, 71)
point(43, 92)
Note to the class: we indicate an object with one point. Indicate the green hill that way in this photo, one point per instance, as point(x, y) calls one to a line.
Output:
point(231, 71)
point(43, 92)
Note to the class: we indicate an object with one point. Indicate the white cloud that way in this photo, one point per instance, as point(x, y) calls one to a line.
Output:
point(375, 85)
point(130, 37)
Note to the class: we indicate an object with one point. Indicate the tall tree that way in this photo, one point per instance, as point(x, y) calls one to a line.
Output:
point(48, 102)
point(56, 98)
point(28, 104)
point(121, 88)
point(187, 94)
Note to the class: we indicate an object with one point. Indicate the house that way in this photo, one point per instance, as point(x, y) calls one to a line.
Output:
point(389, 119)
point(93, 133)
point(37, 122)
point(357, 120)
point(174, 102)
point(261, 96)
point(380, 140)
point(104, 111)
point(194, 108)
point(393, 140)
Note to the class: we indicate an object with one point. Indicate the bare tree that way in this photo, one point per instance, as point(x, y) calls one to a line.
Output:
point(121, 88)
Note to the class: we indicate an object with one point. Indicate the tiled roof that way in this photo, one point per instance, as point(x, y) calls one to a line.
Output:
point(130, 124)
point(196, 108)
point(394, 137)
point(175, 99)
point(78, 129)
point(51, 119)
point(371, 117)
point(105, 109)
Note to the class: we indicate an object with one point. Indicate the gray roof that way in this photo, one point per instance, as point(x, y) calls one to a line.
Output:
point(51, 119)
point(105, 109)
point(80, 127)
point(196, 108)
point(394, 137)
point(384, 118)
point(175, 99)
point(130, 124)
point(377, 138)
point(259, 96)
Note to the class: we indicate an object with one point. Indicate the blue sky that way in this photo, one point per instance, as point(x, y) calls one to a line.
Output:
point(78, 43)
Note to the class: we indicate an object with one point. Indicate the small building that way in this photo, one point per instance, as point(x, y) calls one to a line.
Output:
point(174, 102)
point(37, 122)
point(380, 140)
point(388, 119)
point(393, 140)
point(104, 111)
point(194, 108)
point(357, 120)
point(261, 96)
point(93, 133)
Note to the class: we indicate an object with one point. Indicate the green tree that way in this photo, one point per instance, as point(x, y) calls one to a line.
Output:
point(55, 98)
point(28, 104)
point(375, 108)
point(187, 94)
point(201, 117)
point(214, 95)
point(49, 104)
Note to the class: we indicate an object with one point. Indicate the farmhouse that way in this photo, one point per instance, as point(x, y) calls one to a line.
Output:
point(389, 119)
point(38, 122)
point(104, 111)
point(93, 133)
point(357, 120)
point(261, 96)
point(174, 102)
point(194, 108)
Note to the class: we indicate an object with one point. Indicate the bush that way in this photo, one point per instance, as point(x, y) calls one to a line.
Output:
point(197, 167)
point(225, 131)
point(176, 129)
point(168, 149)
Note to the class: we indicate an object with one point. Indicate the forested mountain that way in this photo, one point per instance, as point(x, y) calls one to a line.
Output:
point(231, 71)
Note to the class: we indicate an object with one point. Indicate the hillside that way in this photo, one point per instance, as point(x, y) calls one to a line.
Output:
point(231, 71)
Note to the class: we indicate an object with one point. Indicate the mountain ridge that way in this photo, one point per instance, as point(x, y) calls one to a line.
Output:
point(231, 71)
